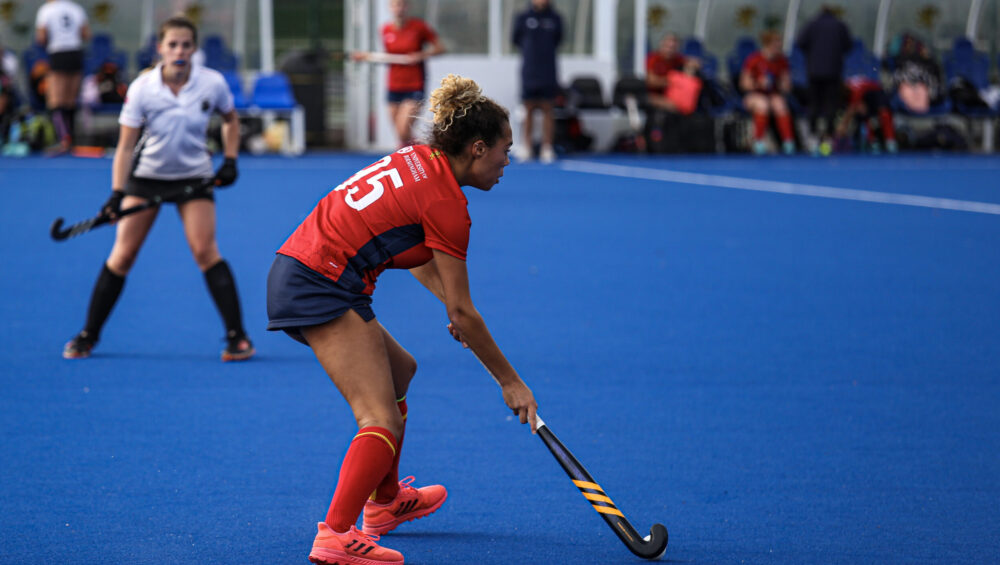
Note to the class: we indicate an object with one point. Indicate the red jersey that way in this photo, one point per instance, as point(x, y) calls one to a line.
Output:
point(771, 70)
point(388, 215)
point(410, 38)
point(658, 65)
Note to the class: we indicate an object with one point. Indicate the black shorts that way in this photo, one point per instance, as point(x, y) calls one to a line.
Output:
point(149, 188)
point(298, 296)
point(66, 61)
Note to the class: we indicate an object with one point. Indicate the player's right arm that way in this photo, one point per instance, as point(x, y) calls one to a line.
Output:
point(122, 163)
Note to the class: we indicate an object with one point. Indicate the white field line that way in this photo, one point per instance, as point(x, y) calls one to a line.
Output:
point(740, 183)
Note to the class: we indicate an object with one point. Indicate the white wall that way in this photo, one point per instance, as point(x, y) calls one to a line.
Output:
point(500, 79)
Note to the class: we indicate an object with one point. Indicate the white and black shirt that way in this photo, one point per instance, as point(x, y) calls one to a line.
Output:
point(62, 21)
point(173, 141)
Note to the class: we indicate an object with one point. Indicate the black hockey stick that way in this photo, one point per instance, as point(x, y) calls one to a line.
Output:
point(59, 233)
point(652, 546)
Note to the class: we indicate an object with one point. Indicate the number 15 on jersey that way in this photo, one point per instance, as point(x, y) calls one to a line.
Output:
point(374, 178)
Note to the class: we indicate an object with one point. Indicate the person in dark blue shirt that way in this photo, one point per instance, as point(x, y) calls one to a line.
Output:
point(825, 42)
point(537, 33)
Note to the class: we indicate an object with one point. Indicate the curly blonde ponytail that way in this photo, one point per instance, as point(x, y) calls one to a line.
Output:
point(462, 115)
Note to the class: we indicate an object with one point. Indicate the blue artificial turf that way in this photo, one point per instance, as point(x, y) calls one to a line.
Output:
point(776, 378)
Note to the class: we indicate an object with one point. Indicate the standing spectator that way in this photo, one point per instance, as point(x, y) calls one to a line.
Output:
point(825, 41)
point(171, 105)
point(412, 42)
point(538, 33)
point(765, 81)
point(61, 27)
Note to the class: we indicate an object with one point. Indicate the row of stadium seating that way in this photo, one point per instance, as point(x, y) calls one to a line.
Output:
point(962, 61)
point(268, 91)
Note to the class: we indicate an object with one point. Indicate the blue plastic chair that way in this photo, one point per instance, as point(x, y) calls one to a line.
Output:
point(236, 87)
point(965, 62)
point(146, 55)
point(93, 61)
point(861, 62)
point(31, 56)
point(694, 47)
point(213, 45)
point(734, 62)
point(221, 61)
point(272, 91)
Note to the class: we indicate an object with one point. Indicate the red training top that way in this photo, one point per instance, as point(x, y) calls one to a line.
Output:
point(658, 65)
point(402, 41)
point(389, 215)
point(762, 67)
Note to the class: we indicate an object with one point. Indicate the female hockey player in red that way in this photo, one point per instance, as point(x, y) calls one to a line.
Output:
point(408, 43)
point(406, 211)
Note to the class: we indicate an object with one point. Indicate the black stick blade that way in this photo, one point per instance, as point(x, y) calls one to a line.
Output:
point(56, 230)
point(652, 546)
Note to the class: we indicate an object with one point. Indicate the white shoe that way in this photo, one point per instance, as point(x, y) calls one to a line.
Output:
point(522, 153)
point(547, 154)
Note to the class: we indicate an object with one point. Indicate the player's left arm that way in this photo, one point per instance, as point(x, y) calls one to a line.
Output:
point(432, 47)
point(230, 134)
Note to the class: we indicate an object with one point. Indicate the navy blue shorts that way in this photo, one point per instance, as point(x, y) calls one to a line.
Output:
point(298, 296)
point(397, 96)
point(546, 93)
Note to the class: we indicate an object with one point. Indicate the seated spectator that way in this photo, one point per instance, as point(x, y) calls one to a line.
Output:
point(917, 76)
point(670, 77)
point(869, 105)
point(765, 81)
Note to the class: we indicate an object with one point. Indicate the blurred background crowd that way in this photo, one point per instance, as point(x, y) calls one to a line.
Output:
point(645, 76)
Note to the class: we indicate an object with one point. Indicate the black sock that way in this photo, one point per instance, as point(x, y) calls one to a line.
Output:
point(59, 123)
point(69, 115)
point(107, 289)
point(222, 286)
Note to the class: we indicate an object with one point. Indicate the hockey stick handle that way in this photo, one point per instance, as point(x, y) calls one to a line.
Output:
point(652, 546)
point(59, 233)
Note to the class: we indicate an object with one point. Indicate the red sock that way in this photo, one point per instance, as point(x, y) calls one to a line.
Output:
point(785, 127)
point(367, 461)
point(389, 487)
point(888, 128)
point(759, 126)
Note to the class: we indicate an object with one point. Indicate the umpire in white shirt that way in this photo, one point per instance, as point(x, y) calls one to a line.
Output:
point(170, 106)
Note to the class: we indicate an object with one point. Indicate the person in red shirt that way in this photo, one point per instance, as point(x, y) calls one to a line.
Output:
point(765, 80)
point(408, 43)
point(405, 211)
point(659, 65)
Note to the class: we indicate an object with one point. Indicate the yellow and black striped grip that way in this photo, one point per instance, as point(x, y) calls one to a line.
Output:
point(596, 496)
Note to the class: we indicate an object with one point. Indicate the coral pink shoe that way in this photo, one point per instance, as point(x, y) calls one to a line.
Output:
point(350, 548)
point(411, 503)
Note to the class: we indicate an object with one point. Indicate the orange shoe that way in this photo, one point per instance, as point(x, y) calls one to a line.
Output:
point(411, 503)
point(350, 548)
